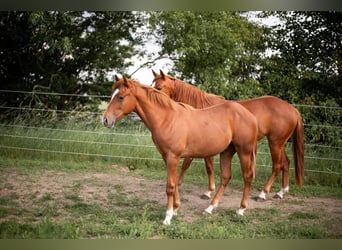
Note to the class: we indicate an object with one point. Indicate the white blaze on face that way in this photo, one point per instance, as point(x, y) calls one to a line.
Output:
point(114, 94)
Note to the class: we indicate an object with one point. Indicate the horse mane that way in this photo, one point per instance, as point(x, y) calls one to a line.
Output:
point(187, 93)
point(157, 97)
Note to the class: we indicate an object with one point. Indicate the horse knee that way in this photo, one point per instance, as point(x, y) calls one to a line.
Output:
point(248, 176)
point(170, 189)
point(225, 179)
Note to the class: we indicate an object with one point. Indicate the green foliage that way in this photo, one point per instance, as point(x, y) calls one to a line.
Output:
point(324, 122)
point(219, 51)
point(45, 229)
point(307, 62)
point(63, 52)
point(307, 70)
point(224, 53)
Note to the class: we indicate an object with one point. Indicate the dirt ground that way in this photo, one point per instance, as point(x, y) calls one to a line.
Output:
point(58, 183)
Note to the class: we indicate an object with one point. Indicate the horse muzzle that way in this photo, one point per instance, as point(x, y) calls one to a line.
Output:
point(108, 121)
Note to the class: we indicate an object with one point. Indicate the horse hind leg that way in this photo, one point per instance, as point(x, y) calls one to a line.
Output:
point(225, 166)
point(185, 166)
point(209, 165)
point(285, 177)
point(277, 163)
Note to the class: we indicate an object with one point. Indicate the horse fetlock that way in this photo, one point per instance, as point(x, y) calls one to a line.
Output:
point(169, 215)
point(280, 194)
point(262, 196)
point(209, 209)
point(240, 211)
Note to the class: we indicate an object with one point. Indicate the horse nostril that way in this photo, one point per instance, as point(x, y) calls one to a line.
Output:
point(104, 121)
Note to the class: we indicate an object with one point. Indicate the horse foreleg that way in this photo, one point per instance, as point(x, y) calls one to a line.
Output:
point(247, 162)
point(225, 166)
point(173, 200)
point(209, 165)
point(185, 166)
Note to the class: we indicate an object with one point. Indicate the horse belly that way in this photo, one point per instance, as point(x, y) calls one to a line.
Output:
point(208, 141)
point(200, 151)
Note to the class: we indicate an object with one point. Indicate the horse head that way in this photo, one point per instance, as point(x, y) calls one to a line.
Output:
point(163, 82)
point(122, 101)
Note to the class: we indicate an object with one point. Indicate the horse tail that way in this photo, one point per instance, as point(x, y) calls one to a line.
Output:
point(298, 150)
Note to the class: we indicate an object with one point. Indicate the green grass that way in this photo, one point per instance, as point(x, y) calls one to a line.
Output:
point(133, 218)
point(126, 216)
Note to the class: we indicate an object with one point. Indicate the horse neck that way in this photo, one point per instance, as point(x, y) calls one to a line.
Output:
point(184, 92)
point(152, 114)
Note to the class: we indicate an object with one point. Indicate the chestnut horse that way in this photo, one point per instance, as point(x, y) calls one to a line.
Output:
point(277, 120)
point(179, 131)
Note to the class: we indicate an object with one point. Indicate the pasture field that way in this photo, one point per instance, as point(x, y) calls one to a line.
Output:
point(62, 181)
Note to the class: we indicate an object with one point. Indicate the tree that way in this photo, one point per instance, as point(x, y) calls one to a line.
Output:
point(68, 52)
point(307, 67)
point(308, 58)
point(219, 51)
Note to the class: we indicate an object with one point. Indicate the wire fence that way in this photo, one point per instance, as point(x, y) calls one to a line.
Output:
point(331, 163)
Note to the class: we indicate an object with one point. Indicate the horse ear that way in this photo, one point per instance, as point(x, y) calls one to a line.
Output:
point(154, 73)
point(162, 74)
point(116, 78)
point(126, 82)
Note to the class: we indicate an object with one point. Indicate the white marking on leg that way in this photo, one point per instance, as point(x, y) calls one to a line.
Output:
point(282, 192)
point(169, 214)
point(209, 209)
point(240, 211)
point(262, 195)
point(114, 94)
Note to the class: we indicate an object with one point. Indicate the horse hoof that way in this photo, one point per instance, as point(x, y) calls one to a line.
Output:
point(240, 211)
point(259, 199)
point(277, 197)
point(206, 213)
point(165, 223)
point(204, 197)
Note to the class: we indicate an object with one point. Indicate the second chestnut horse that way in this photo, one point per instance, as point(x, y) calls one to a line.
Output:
point(277, 120)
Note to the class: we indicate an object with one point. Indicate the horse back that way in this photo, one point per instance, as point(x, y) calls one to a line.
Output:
point(272, 113)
